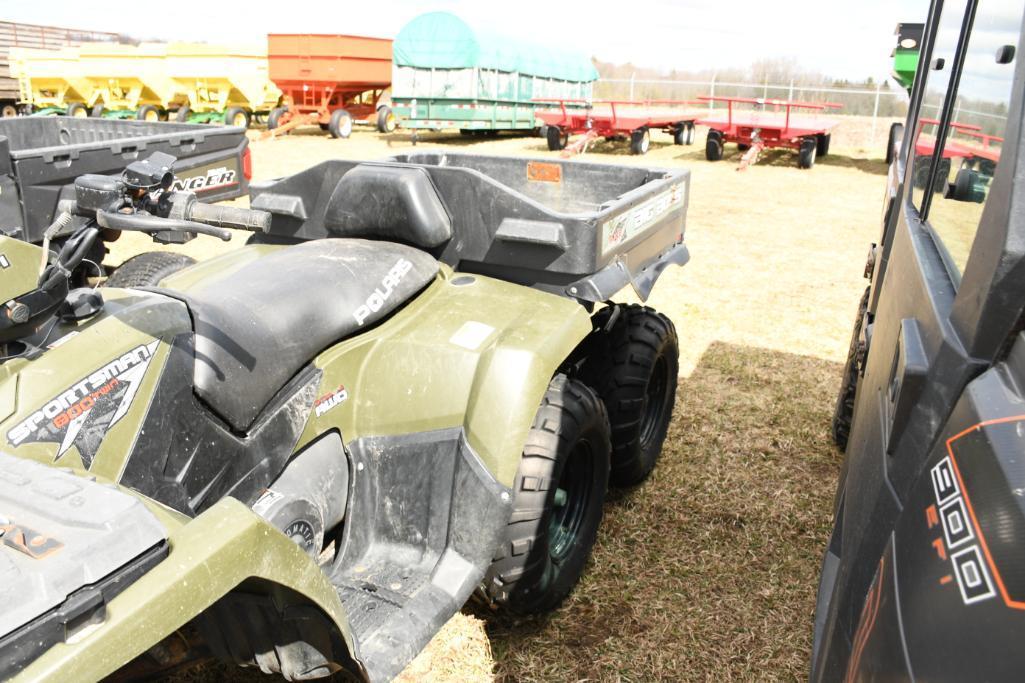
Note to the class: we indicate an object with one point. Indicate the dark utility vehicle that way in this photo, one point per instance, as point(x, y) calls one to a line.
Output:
point(40, 157)
point(924, 576)
point(305, 455)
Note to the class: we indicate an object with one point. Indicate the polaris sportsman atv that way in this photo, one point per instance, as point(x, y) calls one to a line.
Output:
point(306, 455)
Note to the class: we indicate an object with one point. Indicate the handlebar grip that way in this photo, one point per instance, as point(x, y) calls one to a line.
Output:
point(230, 217)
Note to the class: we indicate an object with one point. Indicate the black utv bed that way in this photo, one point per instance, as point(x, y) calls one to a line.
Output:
point(578, 229)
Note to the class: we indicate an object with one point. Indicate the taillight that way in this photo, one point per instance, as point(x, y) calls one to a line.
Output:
point(247, 163)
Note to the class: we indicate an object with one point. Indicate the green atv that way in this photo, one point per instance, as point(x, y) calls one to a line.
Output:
point(306, 455)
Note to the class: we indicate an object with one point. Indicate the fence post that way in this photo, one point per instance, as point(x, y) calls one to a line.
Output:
point(790, 94)
point(765, 89)
point(632, 86)
point(875, 111)
point(711, 92)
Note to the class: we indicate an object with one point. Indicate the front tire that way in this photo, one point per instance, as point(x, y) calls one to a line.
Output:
point(236, 116)
point(557, 139)
point(77, 110)
point(806, 154)
point(148, 112)
point(640, 141)
point(148, 269)
point(182, 115)
point(558, 496)
point(634, 370)
point(713, 145)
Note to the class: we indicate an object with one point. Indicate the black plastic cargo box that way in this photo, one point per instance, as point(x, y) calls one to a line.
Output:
point(579, 229)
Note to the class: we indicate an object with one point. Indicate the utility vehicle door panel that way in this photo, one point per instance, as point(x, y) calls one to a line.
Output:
point(946, 296)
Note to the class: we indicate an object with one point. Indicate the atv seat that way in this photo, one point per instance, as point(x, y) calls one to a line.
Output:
point(256, 327)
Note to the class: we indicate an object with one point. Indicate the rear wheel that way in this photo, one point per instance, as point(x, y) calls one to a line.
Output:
point(8, 110)
point(182, 115)
point(713, 145)
point(77, 110)
point(806, 154)
point(680, 134)
point(558, 495)
point(634, 370)
point(822, 144)
point(236, 116)
point(97, 111)
point(557, 139)
point(386, 121)
point(148, 269)
point(274, 118)
point(340, 125)
point(640, 141)
point(148, 112)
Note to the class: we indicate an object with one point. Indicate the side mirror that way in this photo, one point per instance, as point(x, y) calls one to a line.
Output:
point(894, 142)
point(966, 187)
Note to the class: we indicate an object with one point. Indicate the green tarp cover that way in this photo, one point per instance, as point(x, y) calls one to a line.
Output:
point(441, 40)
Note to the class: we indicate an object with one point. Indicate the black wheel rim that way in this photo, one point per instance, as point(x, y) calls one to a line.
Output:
point(654, 412)
point(572, 496)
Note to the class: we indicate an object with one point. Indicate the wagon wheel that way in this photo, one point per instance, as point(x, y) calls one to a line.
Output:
point(182, 115)
point(806, 154)
point(8, 111)
point(277, 116)
point(97, 110)
point(640, 141)
point(340, 125)
point(680, 133)
point(713, 145)
point(386, 121)
point(557, 138)
point(148, 112)
point(77, 110)
point(236, 116)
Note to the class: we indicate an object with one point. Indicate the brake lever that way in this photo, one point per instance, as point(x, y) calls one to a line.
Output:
point(150, 224)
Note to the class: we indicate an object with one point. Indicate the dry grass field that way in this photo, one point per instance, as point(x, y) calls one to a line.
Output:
point(708, 571)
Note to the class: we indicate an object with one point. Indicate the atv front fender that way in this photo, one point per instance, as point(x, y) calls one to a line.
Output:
point(209, 556)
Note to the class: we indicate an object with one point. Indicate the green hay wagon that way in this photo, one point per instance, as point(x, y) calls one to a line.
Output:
point(446, 74)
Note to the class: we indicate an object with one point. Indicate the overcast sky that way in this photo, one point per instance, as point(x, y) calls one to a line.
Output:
point(845, 38)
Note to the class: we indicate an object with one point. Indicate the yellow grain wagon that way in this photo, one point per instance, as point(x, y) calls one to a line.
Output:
point(215, 83)
point(51, 81)
point(128, 81)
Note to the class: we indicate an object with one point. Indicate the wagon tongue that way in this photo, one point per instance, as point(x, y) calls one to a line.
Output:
point(68, 545)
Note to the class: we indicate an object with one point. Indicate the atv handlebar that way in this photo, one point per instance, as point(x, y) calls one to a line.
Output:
point(140, 222)
point(229, 217)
